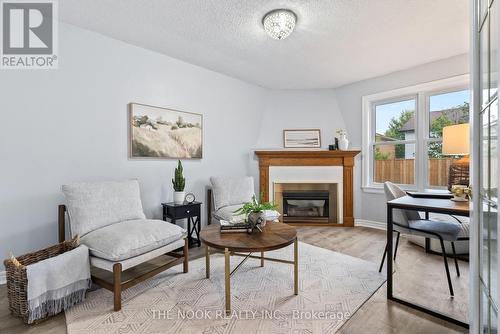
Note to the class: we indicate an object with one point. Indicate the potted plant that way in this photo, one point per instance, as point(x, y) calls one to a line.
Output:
point(254, 210)
point(179, 183)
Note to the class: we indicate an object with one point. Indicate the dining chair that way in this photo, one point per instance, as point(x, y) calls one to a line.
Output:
point(409, 222)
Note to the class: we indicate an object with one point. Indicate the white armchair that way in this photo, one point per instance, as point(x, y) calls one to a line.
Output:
point(110, 221)
point(227, 195)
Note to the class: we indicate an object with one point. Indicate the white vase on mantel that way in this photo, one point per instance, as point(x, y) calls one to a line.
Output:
point(343, 143)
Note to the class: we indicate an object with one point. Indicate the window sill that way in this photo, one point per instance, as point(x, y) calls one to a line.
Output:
point(373, 189)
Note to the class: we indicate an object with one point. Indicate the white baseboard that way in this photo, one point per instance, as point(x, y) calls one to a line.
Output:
point(369, 223)
point(3, 277)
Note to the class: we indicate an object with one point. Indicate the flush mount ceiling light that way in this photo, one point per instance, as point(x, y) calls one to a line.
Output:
point(279, 23)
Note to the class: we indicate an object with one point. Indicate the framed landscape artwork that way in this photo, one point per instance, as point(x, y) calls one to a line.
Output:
point(161, 133)
point(303, 138)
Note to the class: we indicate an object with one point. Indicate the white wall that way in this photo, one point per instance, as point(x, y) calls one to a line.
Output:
point(70, 124)
point(295, 109)
point(370, 206)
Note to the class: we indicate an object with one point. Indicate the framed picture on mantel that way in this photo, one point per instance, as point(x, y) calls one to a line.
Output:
point(302, 138)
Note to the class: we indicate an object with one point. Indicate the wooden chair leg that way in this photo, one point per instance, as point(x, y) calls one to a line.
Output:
point(186, 255)
point(117, 286)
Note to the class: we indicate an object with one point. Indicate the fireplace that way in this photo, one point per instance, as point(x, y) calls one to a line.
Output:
point(307, 203)
point(330, 168)
point(302, 205)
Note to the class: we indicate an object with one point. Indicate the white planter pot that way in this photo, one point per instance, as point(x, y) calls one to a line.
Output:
point(179, 197)
point(255, 216)
point(343, 143)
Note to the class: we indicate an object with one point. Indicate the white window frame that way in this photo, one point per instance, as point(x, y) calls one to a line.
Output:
point(422, 94)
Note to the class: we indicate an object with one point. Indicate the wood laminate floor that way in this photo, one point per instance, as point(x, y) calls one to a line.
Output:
point(419, 276)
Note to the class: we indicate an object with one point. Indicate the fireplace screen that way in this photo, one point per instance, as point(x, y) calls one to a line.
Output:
point(306, 204)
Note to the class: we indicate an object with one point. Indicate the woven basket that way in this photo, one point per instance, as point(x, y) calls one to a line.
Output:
point(17, 281)
point(458, 174)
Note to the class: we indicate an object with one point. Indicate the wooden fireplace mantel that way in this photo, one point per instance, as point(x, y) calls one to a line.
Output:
point(312, 158)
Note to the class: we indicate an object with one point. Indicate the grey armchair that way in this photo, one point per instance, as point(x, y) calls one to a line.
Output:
point(109, 218)
point(227, 195)
point(410, 223)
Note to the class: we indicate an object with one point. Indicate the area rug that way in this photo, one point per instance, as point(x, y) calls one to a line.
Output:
point(332, 286)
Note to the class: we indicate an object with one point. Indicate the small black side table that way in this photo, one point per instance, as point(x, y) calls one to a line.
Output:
point(191, 211)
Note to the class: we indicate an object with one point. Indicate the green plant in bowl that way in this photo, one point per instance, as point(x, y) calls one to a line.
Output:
point(254, 210)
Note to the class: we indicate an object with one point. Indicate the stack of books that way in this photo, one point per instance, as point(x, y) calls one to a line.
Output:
point(229, 227)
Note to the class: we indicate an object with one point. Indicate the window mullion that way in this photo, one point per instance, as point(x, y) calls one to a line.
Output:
point(420, 149)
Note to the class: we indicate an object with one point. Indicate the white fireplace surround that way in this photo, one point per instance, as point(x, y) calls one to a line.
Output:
point(308, 174)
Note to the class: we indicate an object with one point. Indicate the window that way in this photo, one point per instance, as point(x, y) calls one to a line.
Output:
point(443, 110)
point(402, 133)
point(393, 147)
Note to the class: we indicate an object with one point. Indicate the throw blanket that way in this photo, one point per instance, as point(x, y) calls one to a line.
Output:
point(57, 283)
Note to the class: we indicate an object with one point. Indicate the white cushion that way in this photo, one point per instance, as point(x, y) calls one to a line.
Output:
point(94, 205)
point(131, 238)
point(231, 191)
point(227, 213)
point(136, 260)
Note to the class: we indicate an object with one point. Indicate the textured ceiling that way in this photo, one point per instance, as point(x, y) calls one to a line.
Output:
point(335, 42)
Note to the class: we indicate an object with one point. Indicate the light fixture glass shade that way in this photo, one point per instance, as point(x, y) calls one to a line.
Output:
point(279, 23)
point(456, 139)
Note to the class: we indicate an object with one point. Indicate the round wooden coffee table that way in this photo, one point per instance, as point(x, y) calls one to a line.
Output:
point(274, 236)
